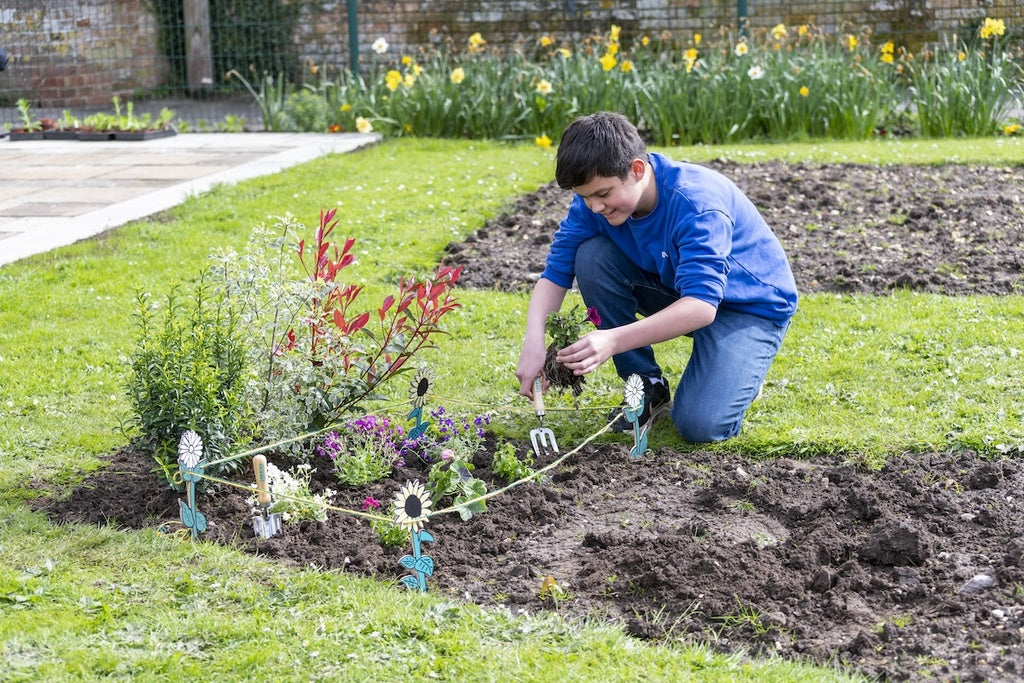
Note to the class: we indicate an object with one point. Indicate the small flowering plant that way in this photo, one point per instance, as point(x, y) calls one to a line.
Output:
point(564, 329)
point(366, 450)
point(293, 499)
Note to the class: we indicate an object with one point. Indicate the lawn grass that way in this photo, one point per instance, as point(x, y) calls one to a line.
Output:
point(858, 376)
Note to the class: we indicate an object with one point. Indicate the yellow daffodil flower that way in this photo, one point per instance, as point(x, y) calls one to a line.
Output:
point(804, 91)
point(741, 49)
point(362, 125)
point(458, 75)
point(608, 62)
point(544, 87)
point(779, 31)
point(392, 80)
point(565, 52)
point(614, 33)
point(992, 27)
point(626, 66)
point(697, 38)
point(852, 42)
point(543, 141)
point(546, 41)
point(476, 42)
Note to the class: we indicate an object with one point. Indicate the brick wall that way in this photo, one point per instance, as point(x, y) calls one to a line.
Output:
point(71, 53)
point(66, 53)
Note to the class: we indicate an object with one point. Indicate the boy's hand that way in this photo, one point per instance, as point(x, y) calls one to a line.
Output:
point(530, 365)
point(587, 353)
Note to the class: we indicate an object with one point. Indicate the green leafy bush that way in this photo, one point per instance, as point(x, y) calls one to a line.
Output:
point(187, 371)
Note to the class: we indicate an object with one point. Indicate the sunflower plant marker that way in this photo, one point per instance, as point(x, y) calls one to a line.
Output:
point(190, 463)
point(418, 395)
point(412, 508)
point(634, 407)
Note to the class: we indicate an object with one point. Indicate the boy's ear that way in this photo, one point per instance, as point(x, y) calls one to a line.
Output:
point(637, 167)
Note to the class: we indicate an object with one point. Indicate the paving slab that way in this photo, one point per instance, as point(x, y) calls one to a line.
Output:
point(103, 185)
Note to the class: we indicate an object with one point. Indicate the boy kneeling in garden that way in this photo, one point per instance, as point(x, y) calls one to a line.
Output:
point(681, 246)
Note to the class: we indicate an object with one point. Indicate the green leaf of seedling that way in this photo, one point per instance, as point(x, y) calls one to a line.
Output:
point(425, 565)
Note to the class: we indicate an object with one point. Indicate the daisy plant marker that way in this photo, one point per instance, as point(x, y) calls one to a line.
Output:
point(418, 395)
point(190, 463)
point(632, 410)
point(412, 508)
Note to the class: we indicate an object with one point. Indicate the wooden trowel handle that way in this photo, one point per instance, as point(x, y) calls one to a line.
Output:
point(538, 397)
point(259, 466)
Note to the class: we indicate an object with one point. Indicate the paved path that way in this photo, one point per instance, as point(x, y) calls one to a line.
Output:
point(54, 193)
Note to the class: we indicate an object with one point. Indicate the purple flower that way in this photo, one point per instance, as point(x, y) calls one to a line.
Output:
point(593, 317)
point(370, 503)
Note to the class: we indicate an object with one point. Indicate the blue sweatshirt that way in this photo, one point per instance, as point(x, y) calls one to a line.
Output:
point(704, 239)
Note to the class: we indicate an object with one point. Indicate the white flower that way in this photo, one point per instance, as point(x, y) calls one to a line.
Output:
point(755, 72)
point(412, 506)
point(190, 449)
point(634, 391)
point(380, 46)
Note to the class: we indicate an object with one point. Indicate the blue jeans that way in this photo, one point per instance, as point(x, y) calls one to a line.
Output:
point(729, 360)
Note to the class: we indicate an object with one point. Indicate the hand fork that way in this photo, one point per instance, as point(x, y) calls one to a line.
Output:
point(542, 438)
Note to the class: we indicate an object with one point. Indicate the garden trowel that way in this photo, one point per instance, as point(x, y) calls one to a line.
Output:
point(264, 523)
point(542, 438)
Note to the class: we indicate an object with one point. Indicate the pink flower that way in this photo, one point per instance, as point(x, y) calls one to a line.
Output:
point(447, 455)
point(370, 503)
point(593, 317)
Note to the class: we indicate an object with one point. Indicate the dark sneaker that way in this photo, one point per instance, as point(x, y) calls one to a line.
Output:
point(657, 402)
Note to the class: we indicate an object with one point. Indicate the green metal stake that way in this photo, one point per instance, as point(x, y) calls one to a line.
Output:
point(741, 17)
point(353, 37)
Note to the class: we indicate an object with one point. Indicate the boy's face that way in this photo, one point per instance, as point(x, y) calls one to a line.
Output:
point(614, 198)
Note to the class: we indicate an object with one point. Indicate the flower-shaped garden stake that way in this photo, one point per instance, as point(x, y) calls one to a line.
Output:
point(190, 462)
point(412, 507)
point(418, 395)
point(634, 407)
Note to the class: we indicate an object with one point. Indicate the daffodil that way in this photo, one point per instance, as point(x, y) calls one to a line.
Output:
point(697, 38)
point(409, 80)
point(363, 125)
point(755, 72)
point(851, 42)
point(458, 75)
point(544, 87)
point(345, 107)
point(565, 52)
point(412, 506)
point(803, 30)
point(741, 49)
point(887, 58)
point(608, 62)
point(380, 46)
point(779, 31)
point(961, 56)
point(392, 80)
point(888, 48)
point(613, 34)
point(546, 41)
point(626, 66)
point(992, 27)
point(476, 42)
point(1011, 129)
point(690, 55)
point(543, 141)
point(645, 41)
point(406, 60)
point(804, 91)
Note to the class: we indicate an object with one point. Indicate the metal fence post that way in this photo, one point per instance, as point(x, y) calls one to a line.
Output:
point(741, 16)
point(353, 37)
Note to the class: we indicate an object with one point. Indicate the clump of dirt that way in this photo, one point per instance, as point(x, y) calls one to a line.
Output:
point(913, 571)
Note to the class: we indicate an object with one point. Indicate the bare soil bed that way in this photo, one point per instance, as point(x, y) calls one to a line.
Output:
point(911, 572)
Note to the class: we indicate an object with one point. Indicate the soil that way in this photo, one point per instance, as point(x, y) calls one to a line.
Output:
point(914, 571)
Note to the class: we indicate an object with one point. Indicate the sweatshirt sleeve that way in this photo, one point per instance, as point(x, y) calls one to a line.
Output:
point(577, 226)
point(703, 245)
